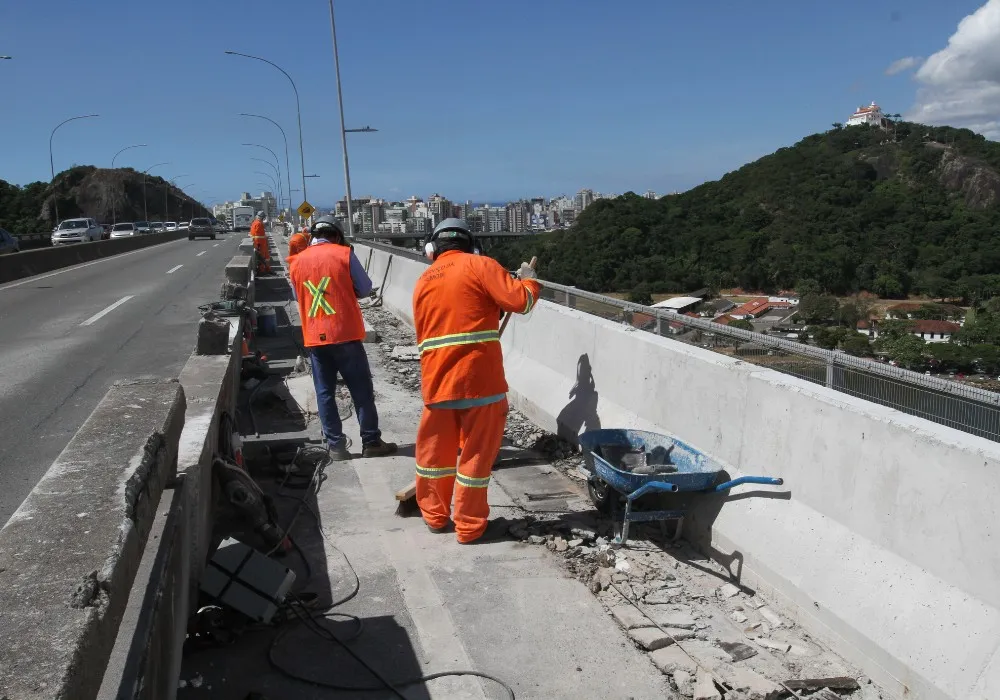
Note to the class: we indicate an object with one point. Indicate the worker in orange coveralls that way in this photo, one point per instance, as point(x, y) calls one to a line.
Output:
point(298, 242)
point(457, 305)
point(259, 238)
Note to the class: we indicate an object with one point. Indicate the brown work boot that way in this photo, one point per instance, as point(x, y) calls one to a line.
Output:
point(380, 448)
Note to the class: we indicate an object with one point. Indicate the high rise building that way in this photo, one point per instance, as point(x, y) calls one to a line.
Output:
point(650, 194)
point(440, 209)
point(583, 199)
point(517, 216)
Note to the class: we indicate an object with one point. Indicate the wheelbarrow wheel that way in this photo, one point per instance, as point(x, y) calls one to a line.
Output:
point(601, 494)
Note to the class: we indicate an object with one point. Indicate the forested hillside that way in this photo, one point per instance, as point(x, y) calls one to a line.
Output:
point(914, 209)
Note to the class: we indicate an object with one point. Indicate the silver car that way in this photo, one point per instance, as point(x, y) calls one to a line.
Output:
point(77, 231)
point(124, 231)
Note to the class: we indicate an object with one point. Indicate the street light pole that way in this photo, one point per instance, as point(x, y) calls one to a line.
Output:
point(166, 192)
point(114, 204)
point(288, 170)
point(145, 212)
point(52, 167)
point(276, 165)
point(343, 134)
point(298, 110)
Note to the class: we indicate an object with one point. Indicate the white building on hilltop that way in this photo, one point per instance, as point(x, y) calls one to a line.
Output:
point(872, 114)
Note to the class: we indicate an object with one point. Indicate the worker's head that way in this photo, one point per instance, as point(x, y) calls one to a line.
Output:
point(450, 234)
point(260, 216)
point(327, 228)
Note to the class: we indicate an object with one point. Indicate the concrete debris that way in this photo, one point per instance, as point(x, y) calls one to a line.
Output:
point(814, 684)
point(770, 616)
point(667, 617)
point(663, 596)
point(650, 638)
point(629, 618)
point(405, 353)
point(727, 591)
point(783, 647)
point(672, 659)
point(753, 685)
point(825, 694)
point(738, 651)
point(602, 577)
point(756, 603)
point(704, 687)
point(682, 682)
point(619, 577)
point(738, 617)
point(622, 565)
point(561, 544)
point(804, 649)
point(575, 543)
point(535, 539)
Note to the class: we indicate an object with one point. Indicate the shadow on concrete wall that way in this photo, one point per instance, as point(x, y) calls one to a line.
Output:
point(580, 414)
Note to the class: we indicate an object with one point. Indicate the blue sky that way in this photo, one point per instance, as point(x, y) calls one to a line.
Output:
point(472, 99)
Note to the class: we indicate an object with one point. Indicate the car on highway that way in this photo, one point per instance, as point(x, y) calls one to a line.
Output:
point(169, 225)
point(219, 226)
point(200, 227)
point(124, 230)
point(8, 243)
point(142, 227)
point(76, 231)
point(156, 226)
point(182, 226)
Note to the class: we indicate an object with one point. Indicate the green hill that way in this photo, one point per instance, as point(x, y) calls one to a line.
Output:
point(854, 208)
point(99, 193)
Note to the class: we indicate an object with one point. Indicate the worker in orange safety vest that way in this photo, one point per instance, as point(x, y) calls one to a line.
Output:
point(298, 242)
point(328, 280)
point(457, 305)
point(259, 238)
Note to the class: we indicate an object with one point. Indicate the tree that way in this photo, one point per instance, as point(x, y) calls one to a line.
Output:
point(856, 344)
point(857, 308)
point(641, 295)
point(896, 341)
point(888, 286)
point(828, 337)
point(741, 323)
point(814, 308)
point(807, 287)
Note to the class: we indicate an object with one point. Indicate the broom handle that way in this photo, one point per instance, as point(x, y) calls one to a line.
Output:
point(506, 319)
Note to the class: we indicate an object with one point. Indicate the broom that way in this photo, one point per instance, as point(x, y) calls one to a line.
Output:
point(407, 497)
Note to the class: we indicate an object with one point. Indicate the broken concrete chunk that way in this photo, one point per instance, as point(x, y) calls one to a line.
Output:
point(812, 684)
point(561, 544)
point(535, 539)
point(665, 617)
point(727, 591)
point(738, 617)
point(671, 659)
point(825, 694)
point(750, 683)
point(756, 603)
point(619, 577)
point(773, 645)
point(738, 650)
point(622, 565)
point(576, 543)
point(704, 687)
point(770, 616)
point(682, 681)
point(405, 353)
point(663, 596)
point(650, 638)
point(629, 618)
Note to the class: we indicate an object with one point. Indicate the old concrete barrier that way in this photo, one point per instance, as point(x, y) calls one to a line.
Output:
point(69, 554)
point(36, 262)
point(884, 542)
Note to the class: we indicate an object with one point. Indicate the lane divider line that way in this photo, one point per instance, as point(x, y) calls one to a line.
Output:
point(101, 314)
point(174, 269)
point(201, 253)
point(216, 245)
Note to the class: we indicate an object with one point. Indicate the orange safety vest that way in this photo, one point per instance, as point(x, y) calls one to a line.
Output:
point(298, 242)
point(328, 306)
point(456, 310)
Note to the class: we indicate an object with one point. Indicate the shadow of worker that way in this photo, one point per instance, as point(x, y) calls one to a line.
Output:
point(580, 414)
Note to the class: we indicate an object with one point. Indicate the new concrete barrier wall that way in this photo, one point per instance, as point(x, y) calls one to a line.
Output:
point(35, 262)
point(885, 543)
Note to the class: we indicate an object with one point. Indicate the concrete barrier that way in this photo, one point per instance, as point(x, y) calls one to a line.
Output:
point(36, 262)
point(69, 554)
point(884, 546)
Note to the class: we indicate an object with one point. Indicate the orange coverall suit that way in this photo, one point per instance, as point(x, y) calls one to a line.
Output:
point(457, 305)
point(259, 238)
point(298, 242)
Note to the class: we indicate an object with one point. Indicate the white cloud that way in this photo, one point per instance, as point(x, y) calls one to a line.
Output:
point(960, 84)
point(902, 64)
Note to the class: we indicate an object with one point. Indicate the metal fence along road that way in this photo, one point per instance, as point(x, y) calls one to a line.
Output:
point(954, 404)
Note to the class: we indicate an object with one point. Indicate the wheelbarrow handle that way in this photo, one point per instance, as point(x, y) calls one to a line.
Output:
point(770, 481)
point(662, 486)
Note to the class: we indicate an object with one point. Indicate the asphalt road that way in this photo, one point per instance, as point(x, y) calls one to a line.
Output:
point(66, 336)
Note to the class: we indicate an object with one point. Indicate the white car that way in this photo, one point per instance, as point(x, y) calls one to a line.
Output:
point(156, 226)
point(77, 231)
point(124, 230)
point(182, 226)
point(170, 226)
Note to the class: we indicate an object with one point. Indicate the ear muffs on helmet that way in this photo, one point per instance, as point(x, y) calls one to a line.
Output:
point(431, 246)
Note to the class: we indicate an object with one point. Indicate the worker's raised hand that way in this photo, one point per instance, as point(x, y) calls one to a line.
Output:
point(526, 272)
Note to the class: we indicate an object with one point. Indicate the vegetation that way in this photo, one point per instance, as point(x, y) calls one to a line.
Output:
point(850, 209)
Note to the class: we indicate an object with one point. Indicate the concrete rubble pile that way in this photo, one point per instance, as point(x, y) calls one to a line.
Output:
point(711, 638)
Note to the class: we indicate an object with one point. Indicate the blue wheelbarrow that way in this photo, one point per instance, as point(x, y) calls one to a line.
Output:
point(676, 467)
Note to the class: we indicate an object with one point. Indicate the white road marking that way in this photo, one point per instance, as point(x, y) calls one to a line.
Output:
point(101, 314)
point(216, 245)
point(174, 269)
point(38, 278)
point(201, 253)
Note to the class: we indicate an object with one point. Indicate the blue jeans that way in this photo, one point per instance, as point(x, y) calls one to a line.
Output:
point(351, 360)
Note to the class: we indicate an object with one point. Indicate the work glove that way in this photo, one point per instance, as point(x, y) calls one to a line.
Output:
point(525, 272)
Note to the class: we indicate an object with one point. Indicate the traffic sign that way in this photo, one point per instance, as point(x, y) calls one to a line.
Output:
point(306, 210)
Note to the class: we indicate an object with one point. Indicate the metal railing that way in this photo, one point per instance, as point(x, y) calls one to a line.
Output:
point(954, 404)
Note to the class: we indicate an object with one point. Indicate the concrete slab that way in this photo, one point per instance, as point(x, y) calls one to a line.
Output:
point(69, 554)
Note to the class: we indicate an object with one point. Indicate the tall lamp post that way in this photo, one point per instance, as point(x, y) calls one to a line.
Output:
point(52, 167)
point(274, 165)
point(166, 193)
point(298, 111)
point(288, 171)
point(114, 204)
point(145, 212)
